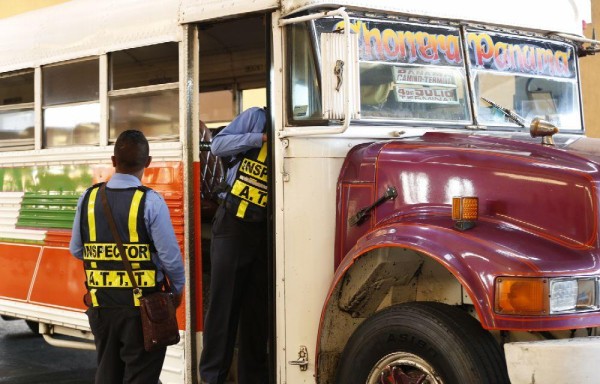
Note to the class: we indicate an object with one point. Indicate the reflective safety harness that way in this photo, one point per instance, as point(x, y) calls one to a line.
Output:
point(106, 277)
point(247, 198)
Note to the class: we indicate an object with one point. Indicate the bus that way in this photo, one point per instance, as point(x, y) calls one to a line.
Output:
point(434, 198)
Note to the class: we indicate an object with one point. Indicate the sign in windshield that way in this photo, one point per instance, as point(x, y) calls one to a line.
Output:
point(408, 71)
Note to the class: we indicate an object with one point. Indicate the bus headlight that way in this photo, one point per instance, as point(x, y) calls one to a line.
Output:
point(573, 295)
point(563, 295)
point(542, 296)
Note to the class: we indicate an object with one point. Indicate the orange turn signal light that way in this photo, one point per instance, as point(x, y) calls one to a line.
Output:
point(522, 296)
point(465, 211)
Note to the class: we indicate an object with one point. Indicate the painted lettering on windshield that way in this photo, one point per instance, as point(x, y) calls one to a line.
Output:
point(411, 44)
point(501, 53)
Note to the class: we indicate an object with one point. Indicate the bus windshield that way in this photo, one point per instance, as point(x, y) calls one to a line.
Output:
point(411, 72)
point(530, 77)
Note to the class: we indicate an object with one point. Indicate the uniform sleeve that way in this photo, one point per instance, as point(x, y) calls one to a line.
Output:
point(76, 245)
point(158, 222)
point(242, 134)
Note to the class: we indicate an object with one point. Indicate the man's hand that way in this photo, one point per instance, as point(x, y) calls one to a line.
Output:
point(264, 137)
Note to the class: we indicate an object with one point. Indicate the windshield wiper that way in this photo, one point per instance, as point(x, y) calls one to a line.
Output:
point(509, 113)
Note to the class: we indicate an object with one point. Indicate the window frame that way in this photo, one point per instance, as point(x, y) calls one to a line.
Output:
point(314, 48)
point(43, 139)
point(39, 109)
point(24, 143)
point(142, 90)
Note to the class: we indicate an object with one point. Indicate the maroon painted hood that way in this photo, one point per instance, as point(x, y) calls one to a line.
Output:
point(585, 147)
point(546, 192)
point(538, 212)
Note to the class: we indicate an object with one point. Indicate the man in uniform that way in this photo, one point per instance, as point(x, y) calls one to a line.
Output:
point(142, 219)
point(238, 287)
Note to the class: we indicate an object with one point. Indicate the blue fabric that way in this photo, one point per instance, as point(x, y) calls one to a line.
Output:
point(242, 134)
point(160, 229)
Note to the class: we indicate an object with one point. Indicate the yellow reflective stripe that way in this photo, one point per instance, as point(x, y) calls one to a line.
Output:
point(254, 169)
point(94, 298)
point(262, 155)
point(119, 279)
point(110, 252)
point(90, 214)
point(249, 193)
point(133, 214)
point(136, 298)
point(241, 212)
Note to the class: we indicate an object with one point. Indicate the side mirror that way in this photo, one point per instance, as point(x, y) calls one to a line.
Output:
point(544, 129)
point(340, 85)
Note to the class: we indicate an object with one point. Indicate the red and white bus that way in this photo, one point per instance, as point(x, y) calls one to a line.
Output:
point(435, 201)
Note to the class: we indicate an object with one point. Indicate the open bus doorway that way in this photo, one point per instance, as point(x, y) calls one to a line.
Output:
point(233, 76)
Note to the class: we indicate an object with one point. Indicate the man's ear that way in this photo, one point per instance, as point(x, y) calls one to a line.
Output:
point(114, 161)
point(148, 162)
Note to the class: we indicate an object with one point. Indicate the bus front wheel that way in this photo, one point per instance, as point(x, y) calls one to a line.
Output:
point(421, 342)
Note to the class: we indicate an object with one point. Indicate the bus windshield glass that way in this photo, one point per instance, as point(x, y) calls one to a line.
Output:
point(408, 71)
point(530, 77)
point(411, 72)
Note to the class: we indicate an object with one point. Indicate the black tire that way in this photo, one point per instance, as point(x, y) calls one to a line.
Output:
point(422, 342)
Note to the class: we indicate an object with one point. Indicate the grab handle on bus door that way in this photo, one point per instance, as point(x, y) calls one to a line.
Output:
point(338, 71)
point(302, 361)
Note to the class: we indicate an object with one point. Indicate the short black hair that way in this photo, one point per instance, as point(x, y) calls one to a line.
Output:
point(131, 151)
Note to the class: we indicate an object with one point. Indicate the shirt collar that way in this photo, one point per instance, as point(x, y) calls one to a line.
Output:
point(123, 180)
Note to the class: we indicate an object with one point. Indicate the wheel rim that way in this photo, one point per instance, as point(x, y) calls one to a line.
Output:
point(403, 368)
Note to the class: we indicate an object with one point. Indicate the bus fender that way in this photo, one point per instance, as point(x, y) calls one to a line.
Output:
point(394, 254)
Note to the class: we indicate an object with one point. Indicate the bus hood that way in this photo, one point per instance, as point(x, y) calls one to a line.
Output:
point(548, 192)
point(585, 146)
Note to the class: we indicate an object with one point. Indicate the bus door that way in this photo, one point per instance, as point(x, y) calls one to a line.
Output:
point(233, 76)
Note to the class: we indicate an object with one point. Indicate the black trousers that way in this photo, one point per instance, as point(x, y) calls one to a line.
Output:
point(238, 299)
point(120, 347)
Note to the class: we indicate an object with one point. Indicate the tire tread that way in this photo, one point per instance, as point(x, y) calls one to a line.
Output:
point(485, 355)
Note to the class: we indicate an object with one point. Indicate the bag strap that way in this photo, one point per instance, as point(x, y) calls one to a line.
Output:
point(115, 233)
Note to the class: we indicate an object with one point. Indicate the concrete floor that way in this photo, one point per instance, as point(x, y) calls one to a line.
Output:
point(25, 358)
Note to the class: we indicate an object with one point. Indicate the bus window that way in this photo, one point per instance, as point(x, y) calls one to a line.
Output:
point(217, 108)
point(305, 91)
point(16, 111)
point(70, 102)
point(256, 97)
point(143, 91)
